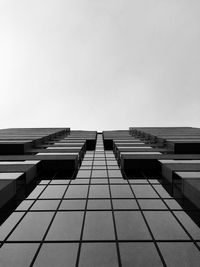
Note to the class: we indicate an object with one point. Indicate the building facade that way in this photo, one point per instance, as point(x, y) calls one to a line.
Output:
point(116, 198)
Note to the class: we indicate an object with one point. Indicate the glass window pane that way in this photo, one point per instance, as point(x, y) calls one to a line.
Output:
point(138, 181)
point(98, 254)
point(17, 255)
point(144, 191)
point(66, 226)
point(112, 162)
point(9, 224)
point(32, 227)
point(152, 204)
point(35, 193)
point(63, 181)
point(188, 223)
point(44, 182)
point(54, 191)
point(99, 173)
point(161, 191)
point(121, 191)
point(84, 173)
point(164, 225)
point(99, 162)
point(99, 204)
point(57, 254)
point(25, 205)
point(118, 181)
point(99, 191)
point(131, 225)
point(45, 205)
point(125, 204)
point(180, 253)
point(77, 191)
point(80, 181)
point(99, 181)
point(114, 173)
point(173, 204)
point(139, 254)
point(98, 226)
point(72, 204)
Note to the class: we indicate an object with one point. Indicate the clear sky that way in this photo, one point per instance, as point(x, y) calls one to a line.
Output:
point(99, 64)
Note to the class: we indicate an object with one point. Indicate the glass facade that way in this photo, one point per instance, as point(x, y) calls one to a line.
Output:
point(99, 219)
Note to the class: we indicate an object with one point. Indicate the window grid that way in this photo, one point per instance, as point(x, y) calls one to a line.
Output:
point(104, 158)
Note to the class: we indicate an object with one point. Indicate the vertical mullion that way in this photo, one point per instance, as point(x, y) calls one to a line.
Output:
point(49, 226)
point(169, 210)
point(113, 216)
point(25, 212)
point(155, 243)
point(84, 216)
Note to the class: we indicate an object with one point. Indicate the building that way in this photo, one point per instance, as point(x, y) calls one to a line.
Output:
point(116, 198)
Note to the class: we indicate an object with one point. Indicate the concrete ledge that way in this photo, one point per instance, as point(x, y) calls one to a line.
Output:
point(7, 191)
point(190, 186)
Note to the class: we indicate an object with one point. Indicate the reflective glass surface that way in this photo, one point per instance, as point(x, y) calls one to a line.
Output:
point(139, 254)
point(98, 226)
point(57, 254)
point(98, 254)
point(100, 218)
point(17, 255)
point(66, 226)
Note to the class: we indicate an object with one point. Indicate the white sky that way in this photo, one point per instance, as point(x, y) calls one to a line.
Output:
point(99, 64)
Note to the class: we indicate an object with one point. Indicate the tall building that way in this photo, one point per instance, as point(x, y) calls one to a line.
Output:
point(116, 198)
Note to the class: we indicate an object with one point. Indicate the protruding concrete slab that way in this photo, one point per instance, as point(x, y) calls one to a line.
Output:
point(10, 175)
point(168, 170)
point(190, 186)
point(30, 170)
point(166, 161)
point(7, 190)
point(184, 146)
